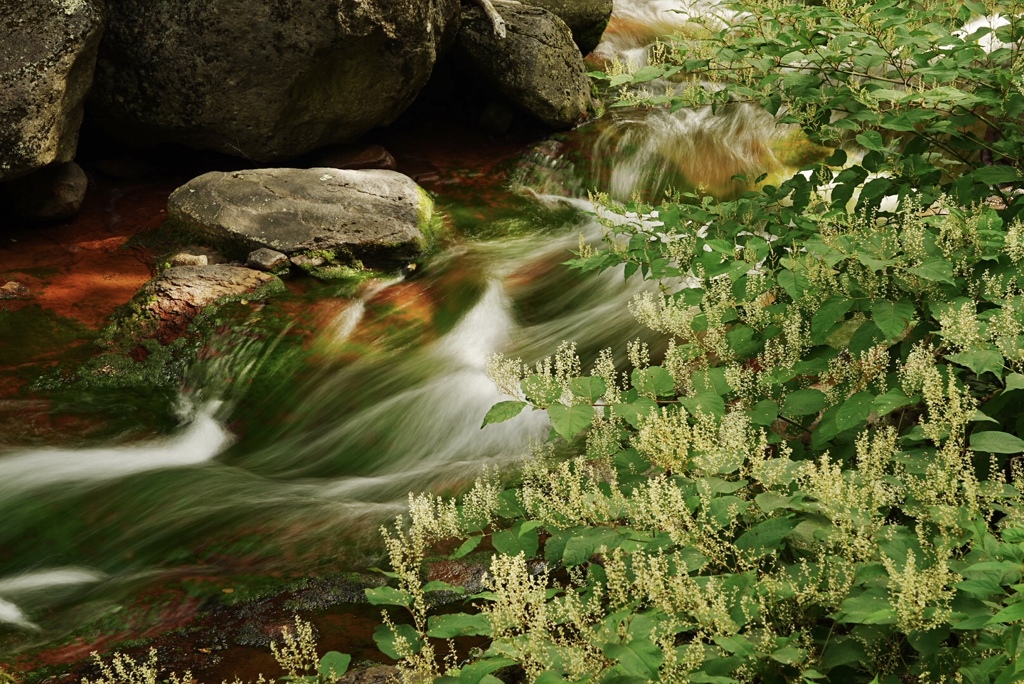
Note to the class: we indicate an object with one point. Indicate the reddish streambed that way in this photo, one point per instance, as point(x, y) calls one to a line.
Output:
point(83, 270)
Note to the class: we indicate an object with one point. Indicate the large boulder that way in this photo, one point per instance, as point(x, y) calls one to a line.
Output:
point(47, 54)
point(264, 79)
point(586, 18)
point(381, 218)
point(536, 65)
point(51, 194)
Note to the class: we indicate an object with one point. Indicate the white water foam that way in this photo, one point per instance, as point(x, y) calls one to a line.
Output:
point(26, 471)
point(42, 581)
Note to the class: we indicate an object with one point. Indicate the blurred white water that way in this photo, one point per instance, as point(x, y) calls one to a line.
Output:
point(203, 439)
point(51, 584)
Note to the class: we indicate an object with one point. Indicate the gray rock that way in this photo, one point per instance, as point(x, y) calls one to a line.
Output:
point(171, 300)
point(47, 55)
point(264, 259)
point(380, 218)
point(586, 18)
point(537, 65)
point(51, 194)
point(264, 79)
point(376, 674)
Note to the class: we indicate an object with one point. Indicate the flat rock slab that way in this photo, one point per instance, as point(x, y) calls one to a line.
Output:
point(377, 217)
point(179, 294)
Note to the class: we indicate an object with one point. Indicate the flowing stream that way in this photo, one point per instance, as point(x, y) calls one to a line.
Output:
point(285, 454)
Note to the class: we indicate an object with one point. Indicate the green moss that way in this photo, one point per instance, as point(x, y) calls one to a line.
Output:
point(33, 332)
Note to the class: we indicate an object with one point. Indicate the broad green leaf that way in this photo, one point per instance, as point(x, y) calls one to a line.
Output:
point(647, 73)
point(585, 543)
point(1014, 381)
point(475, 672)
point(764, 413)
point(632, 411)
point(871, 140)
point(388, 596)
point(515, 541)
point(705, 402)
point(826, 317)
point(438, 585)
point(541, 391)
point(385, 638)
point(640, 657)
point(588, 388)
point(854, 410)
point(1011, 613)
point(789, 655)
point(333, 664)
point(766, 537)
point(458, 624)
point(892, 318)
point(935, 270)
point(804, 403)
point(894, 399)
point(994, 442)
point(467, 546)
point(502, 411)
point(569, 421)
point(654, 380)
point(995, 175)
point(981, 361)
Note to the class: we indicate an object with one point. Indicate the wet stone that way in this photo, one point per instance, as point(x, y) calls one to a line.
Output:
point(12, 289)
point(264, 259)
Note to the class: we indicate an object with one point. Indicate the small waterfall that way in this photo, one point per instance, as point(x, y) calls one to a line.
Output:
point(42, 587)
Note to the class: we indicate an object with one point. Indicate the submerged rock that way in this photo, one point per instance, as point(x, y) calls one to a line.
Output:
point(264, 79)
point(51, 194)
point(379, 218)
point(536, 65)
point(47, 54)
point(167, 304)
point(586, 18)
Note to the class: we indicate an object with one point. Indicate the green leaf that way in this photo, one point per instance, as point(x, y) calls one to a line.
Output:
point(584, 544)
point(388, 596)
point(854, 410)
point(654, 380)
point(458, 624)
point(706, 402)
point(1011, 613)
point(871, 140)
point(569, 421)
point(894, 399)
point(640, 657)
point(467, 546)
point(935, 270)
point(438, 585)
point(764, 413)
point(995, 175)
point(385, 638)
point(981, 361)
point(475, 672)
point(522, 538)
point(765, 537)
point(826, 317)
point(502, 411)
point(632, 411)
point(892, 318)
point(590, 388)
point(1014, 381)
point(993, 442)
point(804, 402)
point(333, 664)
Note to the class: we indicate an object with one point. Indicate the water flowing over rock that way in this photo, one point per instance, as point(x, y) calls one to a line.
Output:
point(264, 79)
point(587, 19)
point(378, 217)
point(537, 65)
point(47, 55)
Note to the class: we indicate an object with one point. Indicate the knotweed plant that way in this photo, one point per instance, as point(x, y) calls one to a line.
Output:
point(821, 478)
